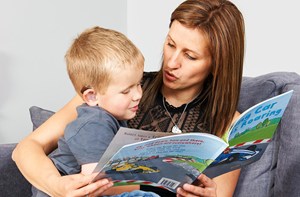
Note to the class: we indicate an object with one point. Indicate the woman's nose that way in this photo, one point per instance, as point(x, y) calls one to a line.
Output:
point(174, 61)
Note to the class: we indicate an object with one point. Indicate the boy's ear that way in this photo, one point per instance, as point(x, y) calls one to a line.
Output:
point(90, 97)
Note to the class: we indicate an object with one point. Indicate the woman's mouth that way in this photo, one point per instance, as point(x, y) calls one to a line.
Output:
point(169, 76)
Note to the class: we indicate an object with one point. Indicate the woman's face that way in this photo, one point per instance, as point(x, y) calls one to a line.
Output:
point(187, 61)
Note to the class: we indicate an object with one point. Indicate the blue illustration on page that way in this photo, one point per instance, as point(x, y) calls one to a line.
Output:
point(168, 161)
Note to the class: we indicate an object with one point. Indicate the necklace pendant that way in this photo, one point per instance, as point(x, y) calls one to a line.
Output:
point(175, 129)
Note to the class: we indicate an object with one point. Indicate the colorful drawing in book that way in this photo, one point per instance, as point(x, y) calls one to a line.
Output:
point(237, 154)
point(156, 160)
point(259, 124)
point(188, 162)
point(256, 127)
point(250, 135)
point(133, 168)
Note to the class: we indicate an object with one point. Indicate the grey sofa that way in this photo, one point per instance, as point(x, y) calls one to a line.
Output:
point(277, 173)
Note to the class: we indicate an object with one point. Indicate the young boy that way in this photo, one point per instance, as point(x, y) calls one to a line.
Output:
point(105, 69)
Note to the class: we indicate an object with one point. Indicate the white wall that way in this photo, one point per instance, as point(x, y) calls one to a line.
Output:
point(272, 32)
point(147, 26)
point(34, 36)
point(272, 35)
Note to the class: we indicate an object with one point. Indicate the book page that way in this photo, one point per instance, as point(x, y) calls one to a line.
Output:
point(168, 161)
point(126, 136)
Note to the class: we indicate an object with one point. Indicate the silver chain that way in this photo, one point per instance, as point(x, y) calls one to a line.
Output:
point(163, 101)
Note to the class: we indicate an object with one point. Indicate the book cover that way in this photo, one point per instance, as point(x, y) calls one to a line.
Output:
point(250, 135)
point(169, 160)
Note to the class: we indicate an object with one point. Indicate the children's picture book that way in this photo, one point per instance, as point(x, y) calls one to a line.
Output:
point(168, 160)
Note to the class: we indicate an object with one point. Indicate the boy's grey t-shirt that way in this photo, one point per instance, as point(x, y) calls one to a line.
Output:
point(85, 139)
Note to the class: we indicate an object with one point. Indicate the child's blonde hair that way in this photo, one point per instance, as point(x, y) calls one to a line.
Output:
point(96, 54)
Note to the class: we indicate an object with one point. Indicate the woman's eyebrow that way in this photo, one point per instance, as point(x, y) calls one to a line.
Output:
point(184, 49)
point(170, 38)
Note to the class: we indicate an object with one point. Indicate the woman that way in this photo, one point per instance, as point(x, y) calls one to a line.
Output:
point(196, 90)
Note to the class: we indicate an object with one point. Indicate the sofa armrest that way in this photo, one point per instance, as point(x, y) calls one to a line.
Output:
point(12, 182)
point(277, 173)
point(287, 174)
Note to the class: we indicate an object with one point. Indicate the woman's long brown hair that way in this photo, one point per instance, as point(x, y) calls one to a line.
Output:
point(223, 25)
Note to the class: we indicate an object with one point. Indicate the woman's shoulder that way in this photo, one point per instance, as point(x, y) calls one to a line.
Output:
point(149, 75)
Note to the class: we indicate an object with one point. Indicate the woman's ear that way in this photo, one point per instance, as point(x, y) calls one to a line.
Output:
point(90, 97)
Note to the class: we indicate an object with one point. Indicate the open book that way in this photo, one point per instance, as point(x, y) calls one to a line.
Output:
point(169, 160)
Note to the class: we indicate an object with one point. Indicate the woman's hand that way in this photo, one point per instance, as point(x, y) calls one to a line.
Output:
point(78, 185)
point(204, 186)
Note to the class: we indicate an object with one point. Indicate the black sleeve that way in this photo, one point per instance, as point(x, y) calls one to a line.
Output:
point(157, 190)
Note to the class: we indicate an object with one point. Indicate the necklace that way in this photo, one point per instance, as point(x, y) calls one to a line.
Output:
point(175, 128)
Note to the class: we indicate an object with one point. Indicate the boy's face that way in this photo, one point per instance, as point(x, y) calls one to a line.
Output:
point(123, 94)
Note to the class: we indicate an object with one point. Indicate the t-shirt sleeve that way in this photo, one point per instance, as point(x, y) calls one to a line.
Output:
point(91, 141)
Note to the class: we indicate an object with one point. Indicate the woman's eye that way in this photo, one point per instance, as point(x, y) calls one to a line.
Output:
point(170, 45)
point(190, 57)
point(125, 91)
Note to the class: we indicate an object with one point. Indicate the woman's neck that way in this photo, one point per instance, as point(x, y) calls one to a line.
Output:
point(177, 98)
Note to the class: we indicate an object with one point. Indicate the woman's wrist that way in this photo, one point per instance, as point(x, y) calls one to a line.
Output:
point(53, 185)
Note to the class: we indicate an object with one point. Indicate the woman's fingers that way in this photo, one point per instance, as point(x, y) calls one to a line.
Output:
point(204, 186)
point(98, 187)
point(79, 185)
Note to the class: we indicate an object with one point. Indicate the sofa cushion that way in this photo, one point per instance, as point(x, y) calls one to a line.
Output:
point(287, 175)
point(259, 174)
point(12, 182)
point(39, 115)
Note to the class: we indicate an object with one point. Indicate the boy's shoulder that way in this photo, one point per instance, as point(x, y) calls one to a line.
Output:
point(91, 119)
point(93, 113)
